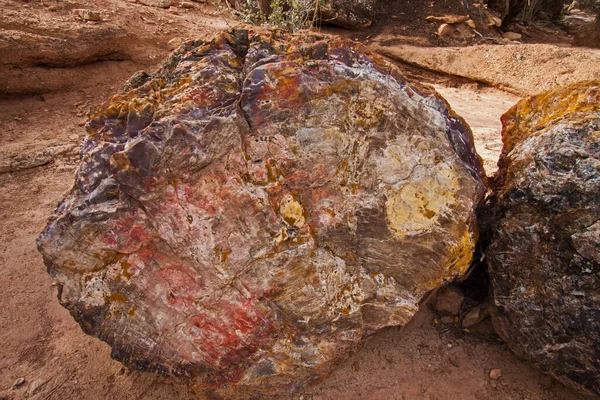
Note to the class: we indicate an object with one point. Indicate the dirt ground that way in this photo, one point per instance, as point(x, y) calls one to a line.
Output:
point(42, 110)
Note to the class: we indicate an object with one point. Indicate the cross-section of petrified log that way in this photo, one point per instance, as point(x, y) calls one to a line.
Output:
point(252, 211)
point(544, 257)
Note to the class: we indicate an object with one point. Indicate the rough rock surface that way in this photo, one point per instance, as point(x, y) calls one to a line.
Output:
point(248, 214)
point(544, 256)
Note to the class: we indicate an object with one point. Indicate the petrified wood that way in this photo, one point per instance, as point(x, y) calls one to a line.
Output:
point(252, 211)
point(544, 256)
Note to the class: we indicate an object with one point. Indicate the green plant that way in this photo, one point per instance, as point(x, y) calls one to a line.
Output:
point(290, 15)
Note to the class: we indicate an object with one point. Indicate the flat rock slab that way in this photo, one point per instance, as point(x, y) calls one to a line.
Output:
point(544, 256)
point(251, 212)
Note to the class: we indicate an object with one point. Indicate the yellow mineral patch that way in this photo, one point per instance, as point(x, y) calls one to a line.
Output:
point(414, 207)
point(532, 114)
point(291, 211)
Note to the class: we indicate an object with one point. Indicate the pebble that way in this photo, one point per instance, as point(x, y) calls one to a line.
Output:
point(86, 14)
point(156, 3)
point(445, 30)
point(74, 137)
point(475, 315)
point(471, 24)
point(174, 43)
point(512, 35)
point(18, 383)
point(186, 4)
point(495, 374)
point(449, 299)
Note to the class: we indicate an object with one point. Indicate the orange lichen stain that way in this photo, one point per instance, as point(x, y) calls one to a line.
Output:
point(273, 172)
point(132, 311)
point(115, 297)
point(225, 254)
point(222, 254)
point(104, 260)
point(125, 265)
point(532, 114)
point(427, 213)
point(120, 161)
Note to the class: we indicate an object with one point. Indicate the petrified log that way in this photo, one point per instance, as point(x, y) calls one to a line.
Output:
point(544, 256)
point(248, 214)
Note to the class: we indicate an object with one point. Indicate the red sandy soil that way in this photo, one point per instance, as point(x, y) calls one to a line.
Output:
point(41, 343)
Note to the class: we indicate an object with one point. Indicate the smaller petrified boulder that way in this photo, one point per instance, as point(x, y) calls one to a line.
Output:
point(543, 259)
point(449, 299)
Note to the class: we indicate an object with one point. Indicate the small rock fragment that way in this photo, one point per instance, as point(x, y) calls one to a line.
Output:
point(495, 374)
point(512, 35)
point(87, 15)
point(445, 30)
point(493, 20)
point(186, 4)
point(471, 24)
point(448, 19)
point(449, 299)
point(475, 315)
point(174, 43)
point(18, 383)
point(156, 3)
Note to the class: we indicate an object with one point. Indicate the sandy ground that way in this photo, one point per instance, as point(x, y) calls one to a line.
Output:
point(42, 344)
